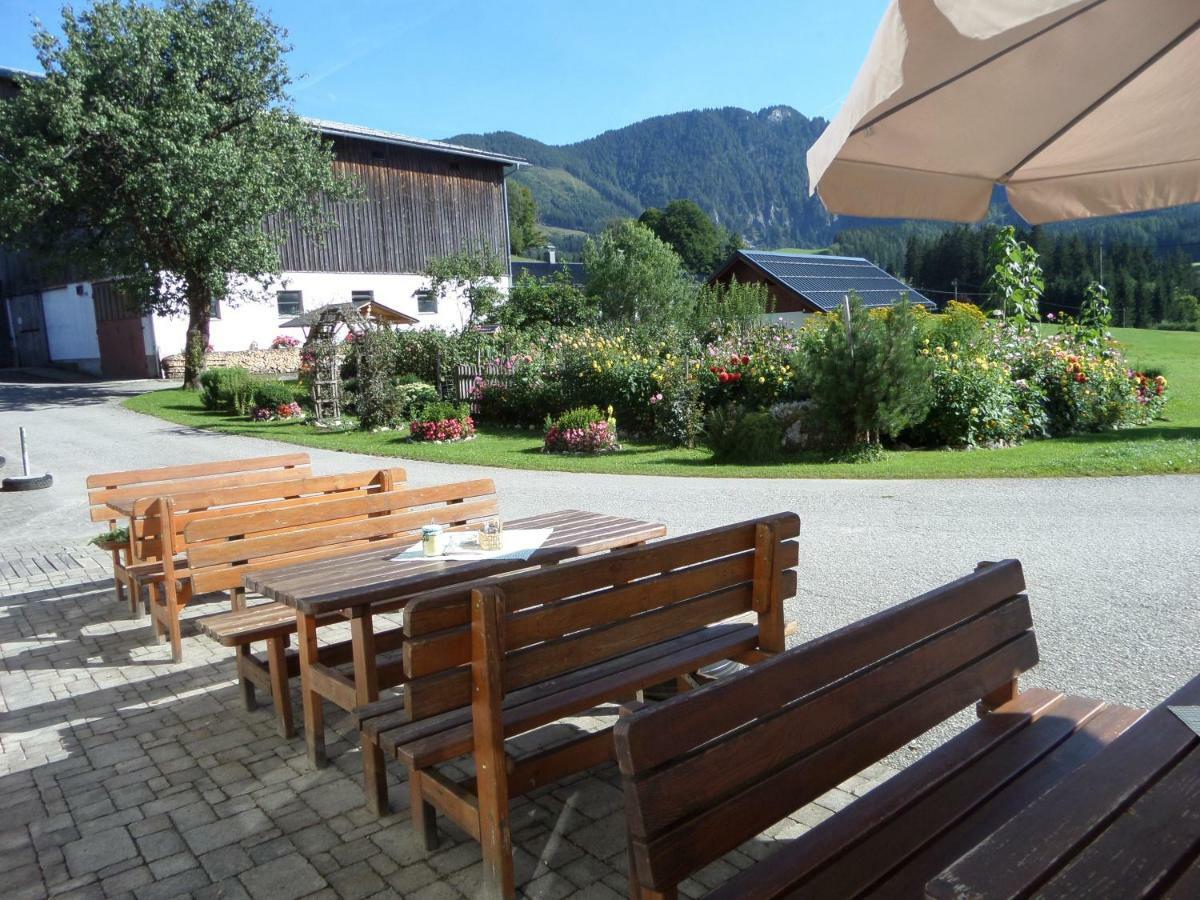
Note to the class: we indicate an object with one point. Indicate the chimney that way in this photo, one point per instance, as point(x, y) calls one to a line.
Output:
point(551, 253)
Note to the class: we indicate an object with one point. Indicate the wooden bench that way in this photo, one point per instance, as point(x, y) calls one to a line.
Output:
point(707, 772)
point(150, 543)
point(222, 550)
point(502, 657)
point(110, 487)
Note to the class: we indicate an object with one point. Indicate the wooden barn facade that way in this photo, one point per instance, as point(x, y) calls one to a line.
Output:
point(423, 199)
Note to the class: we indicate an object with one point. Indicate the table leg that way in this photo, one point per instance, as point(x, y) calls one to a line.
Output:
point(314, 714)
point(366, 690)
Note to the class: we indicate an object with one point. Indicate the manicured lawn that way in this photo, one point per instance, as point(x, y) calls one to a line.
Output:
point(1172, 445)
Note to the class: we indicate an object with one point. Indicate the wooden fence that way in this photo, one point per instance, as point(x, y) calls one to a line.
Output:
point(464, 380)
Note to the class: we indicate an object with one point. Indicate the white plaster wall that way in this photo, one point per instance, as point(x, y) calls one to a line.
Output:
point(258, 322)
point(71, 326)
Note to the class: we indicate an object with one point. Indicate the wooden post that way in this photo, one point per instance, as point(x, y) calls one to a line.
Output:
point(281, 692)
point(491, 765)
point(314, 713)
point(167, 518)
point(767, 598)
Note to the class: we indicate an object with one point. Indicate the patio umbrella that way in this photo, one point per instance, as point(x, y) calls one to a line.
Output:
point(1078, 107)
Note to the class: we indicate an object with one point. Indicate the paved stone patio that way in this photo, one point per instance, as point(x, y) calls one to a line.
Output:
point(123, 775)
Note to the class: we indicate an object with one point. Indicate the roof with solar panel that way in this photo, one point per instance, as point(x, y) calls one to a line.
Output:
point(823, 281)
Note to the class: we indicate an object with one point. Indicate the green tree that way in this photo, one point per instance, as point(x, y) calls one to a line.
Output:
point(475, 274)
point(156, 148)
point(523, 231)
point(554, 300)
point(867, 382)
point(633, 275)
point(701, 243)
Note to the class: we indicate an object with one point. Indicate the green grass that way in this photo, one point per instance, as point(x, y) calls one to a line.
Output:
point(1172, 445)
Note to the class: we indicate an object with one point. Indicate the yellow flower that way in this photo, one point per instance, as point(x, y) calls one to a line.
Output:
point(974, 410)
point(761, 380)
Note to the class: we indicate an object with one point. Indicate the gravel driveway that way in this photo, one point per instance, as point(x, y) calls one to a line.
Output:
point(1112, 563)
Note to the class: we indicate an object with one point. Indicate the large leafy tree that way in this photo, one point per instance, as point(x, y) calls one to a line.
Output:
point(523, 231)
point(157, 146)
point(632, 275)
point(700, 242)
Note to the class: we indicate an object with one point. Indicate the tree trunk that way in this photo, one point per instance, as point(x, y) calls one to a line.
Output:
point(199, 316)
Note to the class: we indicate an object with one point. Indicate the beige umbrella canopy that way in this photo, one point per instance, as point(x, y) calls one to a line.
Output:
point(1078, 107)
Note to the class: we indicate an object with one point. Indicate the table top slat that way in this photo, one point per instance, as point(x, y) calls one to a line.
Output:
point(373, 577)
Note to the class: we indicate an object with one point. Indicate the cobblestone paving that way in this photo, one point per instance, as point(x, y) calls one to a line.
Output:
point(123, 775)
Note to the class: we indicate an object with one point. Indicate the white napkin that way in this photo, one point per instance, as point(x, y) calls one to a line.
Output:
point(519, 543)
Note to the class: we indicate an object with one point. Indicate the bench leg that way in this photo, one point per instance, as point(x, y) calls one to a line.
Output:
point(424, 814)
point(314, 714)
point(118, 584)
point(281, 694)
point(155, 613)
point(135, 597)
point(366, 690)
point(244, 661)
point(174, 626)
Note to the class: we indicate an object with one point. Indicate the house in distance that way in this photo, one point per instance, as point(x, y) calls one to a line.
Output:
point(423, 199)
point(801, 284)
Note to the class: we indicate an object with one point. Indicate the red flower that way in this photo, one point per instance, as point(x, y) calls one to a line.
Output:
point(724, 377)
point(736, 376)
point(1080, 377)
point(734, 360)
point(716, 370)
point(745, 360)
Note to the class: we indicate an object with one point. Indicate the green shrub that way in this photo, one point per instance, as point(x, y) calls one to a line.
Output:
point(440, 410)
point(412, 395)
point(273, 394)
point(870, 384)
point(582, 430)
point(960, 326)
point(580, 417)
point(229, 388)
point(735, 435)
point(376, 400)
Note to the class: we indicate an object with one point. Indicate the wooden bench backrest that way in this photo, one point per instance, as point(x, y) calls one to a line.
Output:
point(147, 535)
point(709, 770)
point(223, 549)
point(579, 613)
point(138, 483)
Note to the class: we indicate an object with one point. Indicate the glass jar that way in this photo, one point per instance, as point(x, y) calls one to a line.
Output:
point(491, 535)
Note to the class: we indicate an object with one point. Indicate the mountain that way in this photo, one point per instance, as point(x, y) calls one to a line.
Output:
point(748, 171)
point(745, 169)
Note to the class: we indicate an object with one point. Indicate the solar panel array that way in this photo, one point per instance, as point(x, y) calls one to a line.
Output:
point(825, 280)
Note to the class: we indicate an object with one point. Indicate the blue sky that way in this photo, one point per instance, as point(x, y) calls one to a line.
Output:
point(556, 70)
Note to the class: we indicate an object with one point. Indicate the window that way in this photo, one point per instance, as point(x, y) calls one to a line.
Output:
point(289, 303)
point(362, 296)
point(214, 310)
point(426, 302)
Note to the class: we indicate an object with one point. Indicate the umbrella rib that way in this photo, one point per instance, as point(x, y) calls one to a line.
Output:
point(979, 65)
point(1068, 176)
point(1091, 107)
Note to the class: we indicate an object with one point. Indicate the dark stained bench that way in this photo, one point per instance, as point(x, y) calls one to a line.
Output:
point(496, 659)
point(706, 772)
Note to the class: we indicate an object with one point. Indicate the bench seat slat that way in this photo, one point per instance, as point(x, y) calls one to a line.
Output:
point(549, 705)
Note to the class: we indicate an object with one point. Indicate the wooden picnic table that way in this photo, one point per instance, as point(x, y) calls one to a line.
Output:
point(359, 586)
point(1124, 824)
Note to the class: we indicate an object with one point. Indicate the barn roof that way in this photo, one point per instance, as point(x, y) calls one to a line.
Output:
point(342, 129)
point(371, 309)
point(825, 280)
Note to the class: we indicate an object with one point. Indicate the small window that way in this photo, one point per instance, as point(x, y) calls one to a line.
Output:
point(362, 296)
point(289, 303)
point(426, 302)
point(214, 310)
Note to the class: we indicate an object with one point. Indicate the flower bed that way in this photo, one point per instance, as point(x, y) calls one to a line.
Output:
point(291, 410)
point(585, 430)
point(441, 423)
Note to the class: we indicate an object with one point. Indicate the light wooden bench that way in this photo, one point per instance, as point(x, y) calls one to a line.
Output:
point(706, 772)
point(222, 550)
point(150, 542)
point(132, 485)
point(503, 657)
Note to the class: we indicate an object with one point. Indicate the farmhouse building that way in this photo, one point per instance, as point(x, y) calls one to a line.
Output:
point(802, 284)
point(423, 199)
